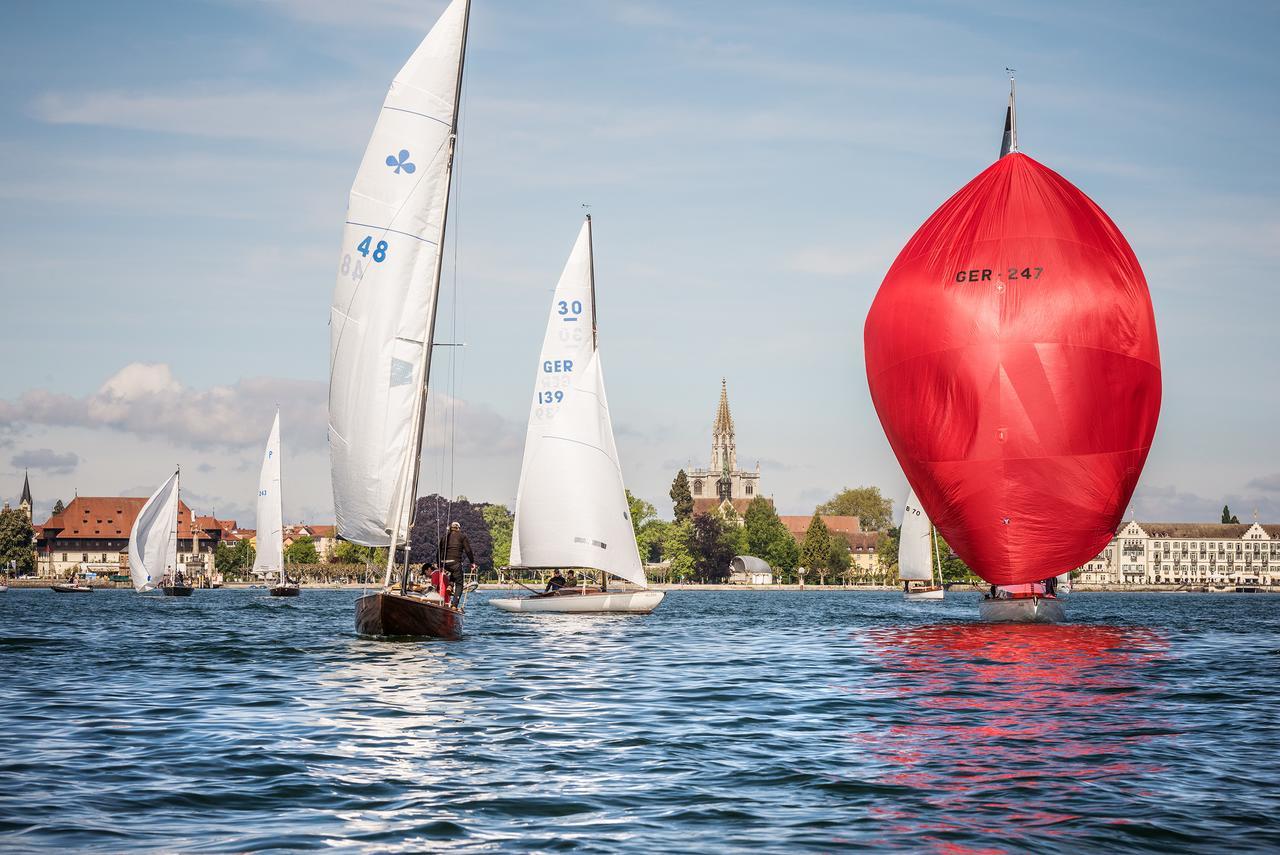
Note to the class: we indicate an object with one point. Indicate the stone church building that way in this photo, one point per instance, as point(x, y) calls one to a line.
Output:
point(723, 481)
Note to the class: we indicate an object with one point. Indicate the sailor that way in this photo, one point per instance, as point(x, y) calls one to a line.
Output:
point(450, 551)
point(1051, 586)
point(571, 581)
point(555, 583)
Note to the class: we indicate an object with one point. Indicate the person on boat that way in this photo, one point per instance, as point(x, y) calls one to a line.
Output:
point(555, 583)
point(450, 551)
point(440, 580)
point(1051, 586)
point(571, 581)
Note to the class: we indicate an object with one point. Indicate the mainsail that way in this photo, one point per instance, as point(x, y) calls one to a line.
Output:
point(915, 555)
point(153, 541)
point(571, 507)
point(384, 305)
point(269, 558)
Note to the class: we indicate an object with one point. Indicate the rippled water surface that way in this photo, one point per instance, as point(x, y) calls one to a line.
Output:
point(724, 721)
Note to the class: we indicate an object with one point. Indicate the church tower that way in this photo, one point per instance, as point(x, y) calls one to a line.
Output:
point(724, 455)
point(25, 503)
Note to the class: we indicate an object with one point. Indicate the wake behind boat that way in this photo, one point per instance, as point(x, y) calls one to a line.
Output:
point(571, 507)
point(383, 319)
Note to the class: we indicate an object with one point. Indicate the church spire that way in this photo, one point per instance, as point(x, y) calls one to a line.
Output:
point(25, 501)
point(724, 456)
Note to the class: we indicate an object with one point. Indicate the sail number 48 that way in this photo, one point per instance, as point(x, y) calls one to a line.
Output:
point(379, 251)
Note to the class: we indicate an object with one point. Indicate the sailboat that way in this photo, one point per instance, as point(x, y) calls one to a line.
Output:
point(268, 559)
point(153, 543)
point(571, 507)
point(1012, 358)
point(383, 319)
point(916, 559)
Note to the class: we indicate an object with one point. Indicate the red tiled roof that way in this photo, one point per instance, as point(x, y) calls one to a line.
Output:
point(710, 506)
point(111, 517)
point(798, 525)
point(1195, 531)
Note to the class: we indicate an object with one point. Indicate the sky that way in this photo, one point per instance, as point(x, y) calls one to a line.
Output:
point(173, 179)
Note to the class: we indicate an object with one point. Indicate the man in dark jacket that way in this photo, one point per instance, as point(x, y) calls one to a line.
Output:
point(451, 549)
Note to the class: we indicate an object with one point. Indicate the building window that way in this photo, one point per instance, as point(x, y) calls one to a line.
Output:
point(697, 488)
point(749, 489)
point(85, 557)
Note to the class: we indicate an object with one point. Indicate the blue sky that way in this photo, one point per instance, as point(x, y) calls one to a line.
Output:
point(174, 175)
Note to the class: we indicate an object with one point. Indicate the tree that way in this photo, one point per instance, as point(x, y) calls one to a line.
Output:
point(887, 552)
point(302, 551)
point(346, 552)
point(58, 507)
point(734, 531)
point(16, 535)
point(651, 539)
point(953, 567)
point(768, 538)
point(435, 512)
point(681, 498)
point(676, 550)
point(234, 558)
point(501, 523)
point(711, 548)
point(815, 550)
point(640, 512)
point(838, 560)
point(874, 512)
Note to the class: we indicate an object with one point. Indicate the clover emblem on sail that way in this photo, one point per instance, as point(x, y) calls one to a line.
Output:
point(401, 162)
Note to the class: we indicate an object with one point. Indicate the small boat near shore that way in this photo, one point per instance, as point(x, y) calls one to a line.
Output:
point(153, 543)
point(916, 558)
point(268, 560)
point(71, 588)
point(571, 506)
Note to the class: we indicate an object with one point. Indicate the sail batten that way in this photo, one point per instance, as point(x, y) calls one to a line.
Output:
point(384, 302)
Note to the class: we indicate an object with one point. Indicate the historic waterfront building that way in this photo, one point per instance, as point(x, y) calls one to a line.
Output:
point(92, 535)
point(723, 481)
point(1188, 555)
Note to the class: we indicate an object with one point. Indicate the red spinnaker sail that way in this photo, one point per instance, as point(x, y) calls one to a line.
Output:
point(1012, 357)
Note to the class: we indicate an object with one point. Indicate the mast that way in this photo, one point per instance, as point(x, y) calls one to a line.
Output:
point(177, 514)
point(1010, 142)
point(280, 503)
point(415, 458)
point(591, 266)
point(936, 557)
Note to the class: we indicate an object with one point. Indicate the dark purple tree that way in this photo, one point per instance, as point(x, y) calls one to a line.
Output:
point(435, 512)
point(712, 548)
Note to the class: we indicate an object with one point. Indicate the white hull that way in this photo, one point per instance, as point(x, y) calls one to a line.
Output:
point(923, 594)
point(1022, 610)
point(625, 602)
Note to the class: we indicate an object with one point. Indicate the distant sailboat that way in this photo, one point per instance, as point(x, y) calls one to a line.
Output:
point(153, 543)
point(383, 322)
point(571, 507)
point(268, 559)
point(917, 551)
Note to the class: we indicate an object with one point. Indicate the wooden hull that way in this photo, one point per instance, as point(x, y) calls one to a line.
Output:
point(286, 591)
point(177, 590)
point(389, 615)
point(622, 602)
point(72, 589)
point(1022, 610)
point(915, 594)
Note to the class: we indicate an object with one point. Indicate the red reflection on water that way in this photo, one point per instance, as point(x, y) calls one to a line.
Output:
point(1002, 729)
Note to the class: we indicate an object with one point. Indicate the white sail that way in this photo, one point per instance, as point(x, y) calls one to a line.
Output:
point(384, 304)
point(572, 510)
point(566, 350)
point(269, 558)
point(153, 541)
point(915, 546)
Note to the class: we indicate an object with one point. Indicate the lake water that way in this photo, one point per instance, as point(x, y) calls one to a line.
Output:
point(724, 721)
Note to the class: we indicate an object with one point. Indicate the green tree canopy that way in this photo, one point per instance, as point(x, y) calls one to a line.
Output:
point(501, 523)
point(16, 553)
point(676, 549)
point(234, 558)
point(640, 512)
point(58, 507)
point(767, 537)
point(887, 551)
point(346, 552)
point(302, 551)
point(681, 498)
point(815, 549)
point(874, 512)
point(838, 560)
point(651, 539)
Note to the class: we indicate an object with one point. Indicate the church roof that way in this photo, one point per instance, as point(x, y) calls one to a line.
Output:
point(26, 490)
point(710, 506)
point(724, 421)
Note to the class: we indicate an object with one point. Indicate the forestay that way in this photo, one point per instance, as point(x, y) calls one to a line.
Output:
point(572, 509)
point(566, 348)
point(153, 541)
point(384, 303)
point(269, 558)
point(915, 552)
